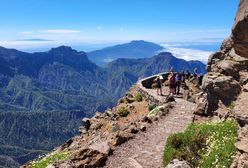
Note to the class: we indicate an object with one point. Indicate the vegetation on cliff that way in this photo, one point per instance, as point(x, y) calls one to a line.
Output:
point(49, 159)
point(207, 145)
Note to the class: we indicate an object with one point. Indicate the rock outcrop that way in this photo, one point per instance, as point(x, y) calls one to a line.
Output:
point(227, 69)
point(240, 30)
point(225, 85)
point(105, 135)
point(104, 132)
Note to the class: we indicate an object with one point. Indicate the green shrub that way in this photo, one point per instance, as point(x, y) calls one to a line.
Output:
point(206, 145)
point(231, 105)
point(138, 97)
point(49, 159)
point(123, 111)
point(153, 112)
point(152, 106)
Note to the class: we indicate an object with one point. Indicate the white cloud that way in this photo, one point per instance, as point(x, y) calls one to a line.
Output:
point(107, 60)
point(60, 31)
point(24, 44)
point(26, 32)
point(209, 30)
point(188, 54)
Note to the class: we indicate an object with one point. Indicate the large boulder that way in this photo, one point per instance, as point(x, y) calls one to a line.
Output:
point(227, 68)
point(240, 30)
point(102, 147)
point(220, 88)
point(242, 145)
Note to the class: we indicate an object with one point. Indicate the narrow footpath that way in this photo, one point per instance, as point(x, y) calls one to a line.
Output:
point(146, 149)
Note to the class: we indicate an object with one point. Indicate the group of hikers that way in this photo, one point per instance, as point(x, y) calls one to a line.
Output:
point(176, 79)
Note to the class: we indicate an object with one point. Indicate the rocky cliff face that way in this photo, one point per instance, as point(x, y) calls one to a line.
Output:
point(240, 30)
point(226, 83)
point(227, 69)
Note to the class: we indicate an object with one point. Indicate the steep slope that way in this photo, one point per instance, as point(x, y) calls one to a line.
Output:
point(133, 69)
point(134, 49)
point(226, 82)
point(159, 63)
point(39, 92)
point(125, 135)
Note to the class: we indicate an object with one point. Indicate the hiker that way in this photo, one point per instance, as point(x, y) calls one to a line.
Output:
point(188, 74)
point(172, 84)
point(178, 82)
point(159, 84)
point(200, 79)
point(195, 73)
point(183, 76)
point(87, 124)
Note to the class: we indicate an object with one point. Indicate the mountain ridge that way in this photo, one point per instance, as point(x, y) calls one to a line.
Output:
point(59, 83)
point(134, 49)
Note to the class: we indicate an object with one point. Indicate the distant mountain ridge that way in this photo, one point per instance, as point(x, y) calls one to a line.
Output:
point(40, 92)
point(134, 49)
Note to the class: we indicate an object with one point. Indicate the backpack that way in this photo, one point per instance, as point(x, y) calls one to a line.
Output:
point(172, 81)
point(178, 77)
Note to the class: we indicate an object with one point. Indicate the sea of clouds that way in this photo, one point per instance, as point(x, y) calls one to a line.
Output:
point(187, 53)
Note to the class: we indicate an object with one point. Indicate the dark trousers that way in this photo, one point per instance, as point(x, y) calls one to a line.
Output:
point(178, 84)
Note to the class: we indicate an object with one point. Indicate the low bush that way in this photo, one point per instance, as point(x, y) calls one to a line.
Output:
point(231, 105)
point(152, 106)
point(153, 112)
point(206, 145)
point(49, 159)
point(138, 97)
point(123, 111)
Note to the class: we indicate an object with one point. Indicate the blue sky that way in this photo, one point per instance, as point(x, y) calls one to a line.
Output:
point(42, 23)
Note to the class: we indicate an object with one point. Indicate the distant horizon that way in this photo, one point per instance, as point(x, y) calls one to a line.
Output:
point(41, 45)
point(185, 50)
point(98, 46)
point(31, 25)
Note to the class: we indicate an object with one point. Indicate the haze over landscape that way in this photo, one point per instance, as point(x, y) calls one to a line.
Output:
point(89, 25)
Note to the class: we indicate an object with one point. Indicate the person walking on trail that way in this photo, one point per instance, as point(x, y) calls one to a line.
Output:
point(188, 74)
point(200, 78)
point(159, 84)
point(195, 73)
point(178, 82)
point(183, 76)
point(195, 77)
point(172, 84)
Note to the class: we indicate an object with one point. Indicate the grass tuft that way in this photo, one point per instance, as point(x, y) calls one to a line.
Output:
point(206, 145)
point(49, 159)
point(123, 111)
point(138, 97)
point(232, 105)
point(152, 106)
point(154, 112)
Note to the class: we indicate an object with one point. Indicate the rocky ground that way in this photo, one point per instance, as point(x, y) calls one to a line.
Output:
point(126, 136)
point(146, 149)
